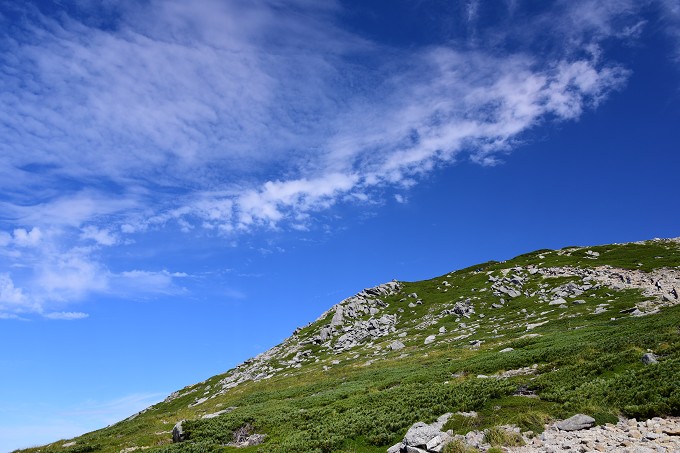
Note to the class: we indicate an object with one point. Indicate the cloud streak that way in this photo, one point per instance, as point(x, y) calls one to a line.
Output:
point(225, 117)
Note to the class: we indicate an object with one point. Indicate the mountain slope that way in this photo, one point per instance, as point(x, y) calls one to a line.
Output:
point(545, 335)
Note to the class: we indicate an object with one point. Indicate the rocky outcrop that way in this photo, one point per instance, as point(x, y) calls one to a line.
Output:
point(423, 438)
point(249, 441)
point(662, 285)
point(464, 309)
point(355, 320)
point(178, 434)
point(361, 331)
point(347, 325)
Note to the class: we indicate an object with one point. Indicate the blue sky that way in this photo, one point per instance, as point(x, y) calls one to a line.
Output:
point(184, 183)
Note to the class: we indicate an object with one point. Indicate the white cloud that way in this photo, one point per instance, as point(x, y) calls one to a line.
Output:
point(11, 298)
point(268, 204)
point(141, 282)
point(70, 276)
point(23, 238)
point(71, 209)
point(274, 89)
point(100, 236)
point(223, 117)
point(671, 20)
point(5, 238)
point(45, 278)
point(66, 315)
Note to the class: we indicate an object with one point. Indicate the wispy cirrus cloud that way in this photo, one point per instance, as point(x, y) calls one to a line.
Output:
point(224, 117)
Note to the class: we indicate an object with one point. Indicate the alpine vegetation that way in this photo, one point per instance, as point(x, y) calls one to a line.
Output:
point(572, 349)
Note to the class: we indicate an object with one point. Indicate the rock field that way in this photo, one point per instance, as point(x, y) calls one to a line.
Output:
point(627, 436)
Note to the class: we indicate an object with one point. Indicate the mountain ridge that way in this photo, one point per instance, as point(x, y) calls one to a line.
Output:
point(458, 323)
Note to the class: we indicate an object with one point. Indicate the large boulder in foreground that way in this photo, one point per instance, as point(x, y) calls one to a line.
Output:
point(178, 434)
point(423, 438)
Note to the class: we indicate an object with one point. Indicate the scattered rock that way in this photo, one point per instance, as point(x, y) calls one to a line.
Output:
point(130, 449)
point(424, 438)
point(430, 339)
point(419, 435)
point(558, 301)
point(255, 439)
point(649, 358)
point(464, 309)
point(177, 432)
point(396, 345)
point(627, 436)
point(218, 413)
point(575, 423)
point(536, 324)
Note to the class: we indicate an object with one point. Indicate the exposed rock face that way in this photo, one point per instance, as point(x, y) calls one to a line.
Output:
point(661, 284)
point(363, 330)
point(347, 329)
point(338, 317)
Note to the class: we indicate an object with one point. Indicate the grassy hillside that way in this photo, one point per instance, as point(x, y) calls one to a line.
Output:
point(543, 336)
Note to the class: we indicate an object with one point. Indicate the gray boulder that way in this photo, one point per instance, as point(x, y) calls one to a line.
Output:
point(430, 339)
point(256, 439)
point(326, 333)
point(396, 345)
point(178, 434)
point(424, 438)
point(410, 449)
point(419, 435)
point(338, 317)
point(396, 448)
point(558, 301)
point(649, 358)
point(575, 423)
